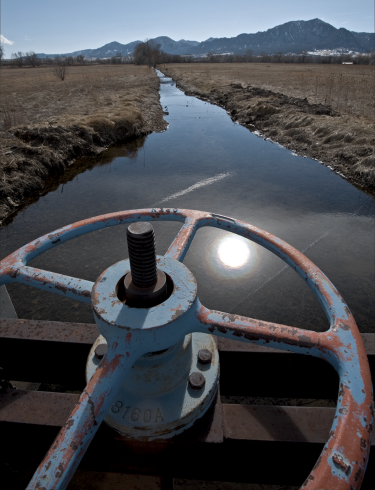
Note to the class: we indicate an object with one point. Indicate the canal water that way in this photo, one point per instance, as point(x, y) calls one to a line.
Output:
point(205, 161)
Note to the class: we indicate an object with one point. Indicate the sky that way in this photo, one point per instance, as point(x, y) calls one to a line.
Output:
point(63, 26)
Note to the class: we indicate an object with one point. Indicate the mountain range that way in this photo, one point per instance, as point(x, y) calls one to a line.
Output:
point(291, 37)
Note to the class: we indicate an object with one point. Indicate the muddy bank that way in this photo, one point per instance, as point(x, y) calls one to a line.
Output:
point(343, 142)
point(31, 155)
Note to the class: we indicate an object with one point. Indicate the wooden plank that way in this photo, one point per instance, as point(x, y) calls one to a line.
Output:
point(88, 480)
point(36, 407)
point(38, 330)
point(244, 422)
point(24, 445)
point(278, 424)
point(227, 345)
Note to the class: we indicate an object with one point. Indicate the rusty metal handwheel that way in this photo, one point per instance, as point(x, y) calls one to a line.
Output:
point(130, 333)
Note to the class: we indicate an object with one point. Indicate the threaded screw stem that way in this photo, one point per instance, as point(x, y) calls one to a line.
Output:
point(142, 256)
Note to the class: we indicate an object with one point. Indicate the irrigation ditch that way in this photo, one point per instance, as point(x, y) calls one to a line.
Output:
point(342, 142)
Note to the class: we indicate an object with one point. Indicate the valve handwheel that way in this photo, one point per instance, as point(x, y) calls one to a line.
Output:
point(131, 332)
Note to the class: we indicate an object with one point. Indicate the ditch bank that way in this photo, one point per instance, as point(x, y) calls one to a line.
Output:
point(30, 156)
point(341, 142)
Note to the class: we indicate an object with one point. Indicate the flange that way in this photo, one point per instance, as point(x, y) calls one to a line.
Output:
point(156, 399)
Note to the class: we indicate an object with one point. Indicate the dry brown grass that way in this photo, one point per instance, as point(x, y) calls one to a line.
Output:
point(322, 111)
point(46, 123)
point(347, 88)
point(88, 95)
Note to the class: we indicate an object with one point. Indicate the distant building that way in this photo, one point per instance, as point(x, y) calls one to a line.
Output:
point(347, 62)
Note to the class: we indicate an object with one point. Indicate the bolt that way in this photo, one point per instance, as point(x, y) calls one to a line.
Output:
point(145, 285)
point(205, 356)
point(196, 381)
point(100, 350)
point(141, 246)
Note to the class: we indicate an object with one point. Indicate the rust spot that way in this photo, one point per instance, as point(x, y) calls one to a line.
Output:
point(74, 446)
point(343, 410)
point(39, 487)
point(308, 480)
point(64, 289)
point(339, 461)
point(304, 339)
point(60, 471)
point(357, 474)
point(69, 424)
point(347, 311)
point(177, 312)
point(341, 391)
point(344, 326)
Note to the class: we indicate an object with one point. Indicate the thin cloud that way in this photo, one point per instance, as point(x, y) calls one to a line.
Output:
point(4, 40)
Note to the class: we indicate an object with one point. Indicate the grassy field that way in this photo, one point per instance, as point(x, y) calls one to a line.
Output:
point(89, 95)
point(325, 112)
point(46, 123)
point(347, 88)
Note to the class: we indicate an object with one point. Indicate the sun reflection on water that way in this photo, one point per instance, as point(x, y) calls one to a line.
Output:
point(233, 252)
point(232, 256)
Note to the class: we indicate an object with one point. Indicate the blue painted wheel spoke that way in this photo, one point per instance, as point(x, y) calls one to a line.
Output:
point(180, 245)
point(70, 287)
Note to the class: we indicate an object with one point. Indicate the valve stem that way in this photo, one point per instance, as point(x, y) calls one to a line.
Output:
point(145, 285)
point(141, 246)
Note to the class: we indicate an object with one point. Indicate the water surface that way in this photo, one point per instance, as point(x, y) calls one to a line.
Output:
point(205, 161)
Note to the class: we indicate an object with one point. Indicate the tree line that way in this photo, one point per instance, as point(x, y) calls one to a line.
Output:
point(150, 53)
point(278, 57)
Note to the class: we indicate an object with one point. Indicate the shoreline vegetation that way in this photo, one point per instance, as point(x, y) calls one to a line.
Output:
point(323, 113)
point(48, 123)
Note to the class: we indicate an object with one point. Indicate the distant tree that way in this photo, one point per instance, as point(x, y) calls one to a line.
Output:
point(147, 53)
point(265, 58)
point(1, 52)
point(31, 58)
point(249, 55)
point(127, 59)
point(60, 65)
point(211, 57)
point(140, 54)
point(117, 58)
point(19, 58)
point(277, 56)
point(80, 59)
point(303, 56)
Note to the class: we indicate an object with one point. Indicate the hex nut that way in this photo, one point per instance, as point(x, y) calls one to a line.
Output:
point(100, 350)
point(196, 381)
point(205, 356)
